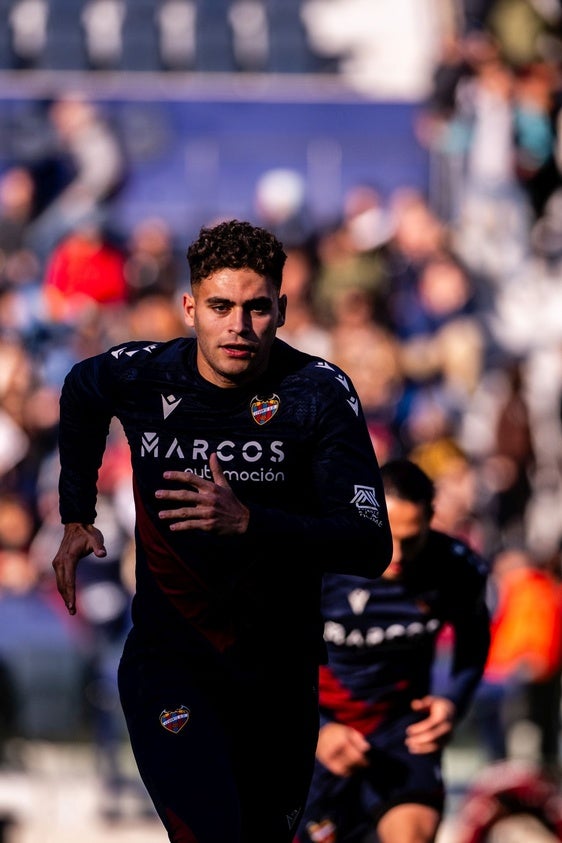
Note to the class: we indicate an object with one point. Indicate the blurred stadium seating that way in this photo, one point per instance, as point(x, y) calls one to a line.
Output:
point(207, 95)
point(136, 35)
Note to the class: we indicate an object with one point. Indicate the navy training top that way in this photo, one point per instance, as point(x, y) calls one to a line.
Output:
point(295, 448)
point(381, 635)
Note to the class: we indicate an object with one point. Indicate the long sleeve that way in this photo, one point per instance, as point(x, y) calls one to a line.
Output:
point(472, 640)
point(85, 417)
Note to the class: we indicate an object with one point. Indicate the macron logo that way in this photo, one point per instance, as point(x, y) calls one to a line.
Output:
point(358, 599)
point(169, 404)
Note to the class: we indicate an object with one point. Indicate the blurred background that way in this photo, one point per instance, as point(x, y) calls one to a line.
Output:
point(408, 153)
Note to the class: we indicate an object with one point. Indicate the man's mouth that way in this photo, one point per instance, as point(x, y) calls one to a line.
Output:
point(238, 351)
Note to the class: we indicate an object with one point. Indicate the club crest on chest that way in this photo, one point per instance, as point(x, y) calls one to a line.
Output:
point(263, 409)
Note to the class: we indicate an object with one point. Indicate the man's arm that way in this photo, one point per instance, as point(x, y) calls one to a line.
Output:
point(464, 576)
point(84, 424)
point(470, 651)
point(441, 712)
point(85, 417)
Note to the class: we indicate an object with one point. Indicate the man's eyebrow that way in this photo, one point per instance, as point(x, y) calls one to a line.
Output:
point(259, 301)
point(218, 300)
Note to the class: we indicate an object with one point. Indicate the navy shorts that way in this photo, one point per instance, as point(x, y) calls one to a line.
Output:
point(222, 758)
point(352, 806)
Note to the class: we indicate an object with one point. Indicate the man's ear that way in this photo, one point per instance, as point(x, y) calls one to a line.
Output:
point(282, 311)
point(189, 309)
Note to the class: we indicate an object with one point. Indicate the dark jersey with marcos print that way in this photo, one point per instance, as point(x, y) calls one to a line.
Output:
point(296, 451)
point(382, 634)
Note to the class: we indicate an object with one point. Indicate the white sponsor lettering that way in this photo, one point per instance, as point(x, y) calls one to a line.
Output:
point(199, 450)
point(149, 444)
point(222, 452)
point(174, 451)
point(260, 476)
point(336, 633)
point(251, 451)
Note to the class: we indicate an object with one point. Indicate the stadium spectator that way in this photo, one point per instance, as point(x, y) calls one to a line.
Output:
point(84, 270)
point(521, 679)
point(93, 167)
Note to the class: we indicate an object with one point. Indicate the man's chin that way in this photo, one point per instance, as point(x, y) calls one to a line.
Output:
point(393, 572)
point(238, 375)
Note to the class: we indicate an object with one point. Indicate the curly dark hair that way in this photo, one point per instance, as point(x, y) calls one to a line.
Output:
point(236, 245)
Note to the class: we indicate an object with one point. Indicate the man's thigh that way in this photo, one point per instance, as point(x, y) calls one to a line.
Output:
point(182, 749)
point(216, 758)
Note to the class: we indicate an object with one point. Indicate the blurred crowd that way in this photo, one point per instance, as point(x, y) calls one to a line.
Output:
point(445, 309)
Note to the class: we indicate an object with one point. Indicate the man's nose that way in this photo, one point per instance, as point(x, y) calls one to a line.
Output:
point(240, 321)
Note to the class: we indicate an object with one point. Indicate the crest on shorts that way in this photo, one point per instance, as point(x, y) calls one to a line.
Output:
point(173, 720)
point(322, 832)
point(263, 409)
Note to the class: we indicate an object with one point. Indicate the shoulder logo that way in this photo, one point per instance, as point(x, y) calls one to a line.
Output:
point(118, 352)
point(354, 404)
point(263, 409)
point(169, 404)
point(365, 500)
point(343, 380)
point(123, 350)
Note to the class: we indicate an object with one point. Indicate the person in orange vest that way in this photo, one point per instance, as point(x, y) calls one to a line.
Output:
point(522, 673)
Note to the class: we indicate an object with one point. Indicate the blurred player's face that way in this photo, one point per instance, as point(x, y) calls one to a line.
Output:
point(409, 527)
point(235, 314)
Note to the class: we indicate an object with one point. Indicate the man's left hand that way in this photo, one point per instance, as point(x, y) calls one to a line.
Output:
point(433, 731)
point(208, 505)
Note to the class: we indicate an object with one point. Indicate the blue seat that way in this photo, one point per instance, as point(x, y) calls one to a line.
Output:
point(140, 37)
point(214, 44)
point(65, 48)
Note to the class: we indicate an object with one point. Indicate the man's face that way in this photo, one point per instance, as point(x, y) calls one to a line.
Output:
point(409, 527)
point(235, 314)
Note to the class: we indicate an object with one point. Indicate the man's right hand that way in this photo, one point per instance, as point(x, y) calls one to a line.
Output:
point(342, 749)
point(78, 541)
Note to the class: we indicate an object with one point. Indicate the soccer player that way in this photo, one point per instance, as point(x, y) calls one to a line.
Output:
point(383, 728)
point(253, 470)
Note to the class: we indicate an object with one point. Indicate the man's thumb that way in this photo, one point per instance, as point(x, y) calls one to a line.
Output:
point(216, 471)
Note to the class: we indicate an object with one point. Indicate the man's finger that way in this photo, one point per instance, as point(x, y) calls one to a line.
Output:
point(216, 471)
